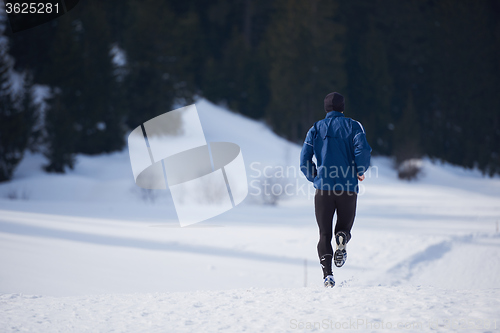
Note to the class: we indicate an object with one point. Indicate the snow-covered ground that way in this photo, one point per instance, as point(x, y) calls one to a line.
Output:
point(88, 251)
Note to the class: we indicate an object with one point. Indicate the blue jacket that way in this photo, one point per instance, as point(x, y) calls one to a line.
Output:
point(341, 151)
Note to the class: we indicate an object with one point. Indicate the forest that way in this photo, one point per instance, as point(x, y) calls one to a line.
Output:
point(422, 76)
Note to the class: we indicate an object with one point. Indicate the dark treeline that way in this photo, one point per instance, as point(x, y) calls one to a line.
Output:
point(421, 75)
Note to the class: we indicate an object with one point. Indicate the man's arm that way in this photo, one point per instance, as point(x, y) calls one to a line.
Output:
point(362, 150)
point(307, 166)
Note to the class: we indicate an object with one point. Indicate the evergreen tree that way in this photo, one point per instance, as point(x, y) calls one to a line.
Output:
point(65, 103)
point(60, 133)
point(371, 85)
point(238, 78)
point(407, 133)
point(84, 114)
point(99, 117)
point(465, 82)
point(17, 117)
point(235, 70)
point(305, 53)
point(386, 56)
point(162, 50)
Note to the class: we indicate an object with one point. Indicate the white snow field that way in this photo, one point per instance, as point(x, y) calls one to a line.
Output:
point(88, 251)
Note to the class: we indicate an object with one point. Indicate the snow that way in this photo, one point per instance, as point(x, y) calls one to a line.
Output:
point(119, 59)
point(40, 94)
point(89, 251)
point(257, 309)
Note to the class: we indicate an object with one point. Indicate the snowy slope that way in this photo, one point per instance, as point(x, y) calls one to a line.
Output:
point(88, 251)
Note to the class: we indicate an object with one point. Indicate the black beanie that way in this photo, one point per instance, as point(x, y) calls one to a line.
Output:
point(334, 102)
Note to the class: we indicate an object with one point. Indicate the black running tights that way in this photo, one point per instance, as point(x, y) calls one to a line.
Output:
point(325, 205)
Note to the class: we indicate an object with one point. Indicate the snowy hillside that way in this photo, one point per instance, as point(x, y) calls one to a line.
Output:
point(88, 251)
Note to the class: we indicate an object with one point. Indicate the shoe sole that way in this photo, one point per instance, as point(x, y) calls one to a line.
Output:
point(338, 256)
point(330, 284)
point(339, 259)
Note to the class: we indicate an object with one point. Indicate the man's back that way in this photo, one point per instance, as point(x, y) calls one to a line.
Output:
point(341, 151)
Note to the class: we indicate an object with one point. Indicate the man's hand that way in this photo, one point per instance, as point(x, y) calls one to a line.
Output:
point(361, 178)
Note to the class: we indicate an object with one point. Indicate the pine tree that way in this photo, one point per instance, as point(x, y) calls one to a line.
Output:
point(306, 64)
point(17, 117)
point(465, 83)
point(84, 114)
point(65, 103)
point(162, 52)
point(407, 133)
point(235, 69)
point(60, 133)
point(100, 117)
point(371, 87)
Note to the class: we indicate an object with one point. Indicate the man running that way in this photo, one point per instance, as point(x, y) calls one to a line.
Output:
point(342, 156)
